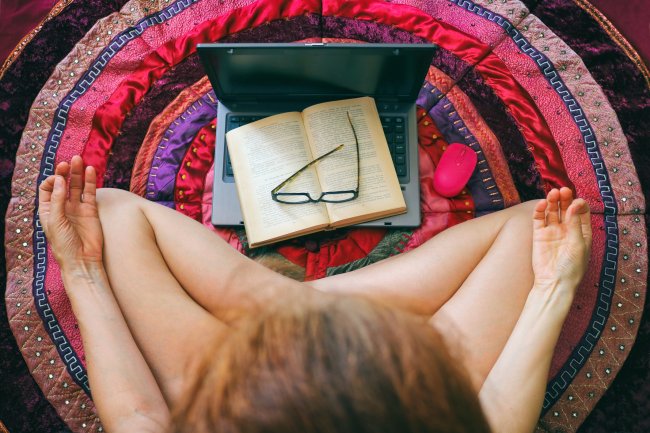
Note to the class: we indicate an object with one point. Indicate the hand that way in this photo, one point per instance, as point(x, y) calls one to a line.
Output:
point(71, 221)
point(561, 239)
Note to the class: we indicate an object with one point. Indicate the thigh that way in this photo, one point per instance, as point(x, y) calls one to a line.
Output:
point(217, 277)
point(425, 278)
point(169, 327)
point(178, 284)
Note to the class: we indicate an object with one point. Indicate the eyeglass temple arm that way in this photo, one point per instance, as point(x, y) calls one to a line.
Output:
point(303, 168)
point(356, 140)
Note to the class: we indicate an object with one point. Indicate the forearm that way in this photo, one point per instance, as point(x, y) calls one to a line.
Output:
point(513, 392)
point(123, 387)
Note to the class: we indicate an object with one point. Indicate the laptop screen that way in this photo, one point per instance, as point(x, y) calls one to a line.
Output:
point(240, 72)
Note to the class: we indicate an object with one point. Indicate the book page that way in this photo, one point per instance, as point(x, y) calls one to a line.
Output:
point(263, 154)
point(327, 126)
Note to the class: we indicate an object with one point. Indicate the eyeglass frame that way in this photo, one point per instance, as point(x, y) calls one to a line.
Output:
point(309, 199)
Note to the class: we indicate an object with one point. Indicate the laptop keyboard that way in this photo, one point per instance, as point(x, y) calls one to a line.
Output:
point(394, 130)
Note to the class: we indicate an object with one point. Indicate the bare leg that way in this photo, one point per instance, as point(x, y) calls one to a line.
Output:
point(473, 279)
point(478, 320)
point(480, 317)
point(424, 279)
point(173, 279)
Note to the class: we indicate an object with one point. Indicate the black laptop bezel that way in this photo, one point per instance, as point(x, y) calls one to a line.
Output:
point(210, 54)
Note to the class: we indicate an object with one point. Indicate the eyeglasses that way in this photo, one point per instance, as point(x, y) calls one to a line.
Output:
point(329, 196)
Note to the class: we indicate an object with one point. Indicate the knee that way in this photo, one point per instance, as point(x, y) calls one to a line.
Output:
point(526, 207)
point(111, 201)
point(108, 195)
point(121, 214)
point(522, 211)
point(520, 221)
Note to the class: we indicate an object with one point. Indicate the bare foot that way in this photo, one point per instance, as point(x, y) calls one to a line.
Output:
point(561, 239)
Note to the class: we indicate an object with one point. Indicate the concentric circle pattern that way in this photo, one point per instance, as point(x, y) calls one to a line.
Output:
point(131, 98)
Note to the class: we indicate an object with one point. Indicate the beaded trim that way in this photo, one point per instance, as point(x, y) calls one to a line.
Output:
point(617, 37)
point(11, 58)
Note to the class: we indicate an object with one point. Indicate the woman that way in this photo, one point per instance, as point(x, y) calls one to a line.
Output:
point(412, 343)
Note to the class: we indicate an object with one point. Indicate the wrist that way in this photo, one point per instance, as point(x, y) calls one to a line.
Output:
point(556, 295)
point(83, 270)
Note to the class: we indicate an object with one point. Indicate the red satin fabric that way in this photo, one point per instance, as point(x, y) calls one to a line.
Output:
point(533, 127)
point(530, 121)
point(358, 243)
point(109, 117)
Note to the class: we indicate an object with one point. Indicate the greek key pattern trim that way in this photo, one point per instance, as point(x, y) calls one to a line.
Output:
point(68, 355)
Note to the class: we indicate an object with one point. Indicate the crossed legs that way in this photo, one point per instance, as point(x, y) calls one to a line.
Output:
point(179, 286)
point(471, 279)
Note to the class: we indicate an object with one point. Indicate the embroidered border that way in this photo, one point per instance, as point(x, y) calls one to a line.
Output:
point(71, 359)
point(608, 272)
point(201, 112)
point(480, 190)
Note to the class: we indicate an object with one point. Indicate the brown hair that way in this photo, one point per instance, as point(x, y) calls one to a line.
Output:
point(330, 364)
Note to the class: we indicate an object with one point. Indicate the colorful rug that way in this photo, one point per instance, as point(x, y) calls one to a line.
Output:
point(541, 106)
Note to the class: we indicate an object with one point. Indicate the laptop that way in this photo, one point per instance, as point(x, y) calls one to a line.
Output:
point(253, 81)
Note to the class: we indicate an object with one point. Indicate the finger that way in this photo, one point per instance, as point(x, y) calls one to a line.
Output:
point(575, 214)
point(62, 169)
point(552, 216)
point(539, 215)
point(45, 189)
point(90, 187)
point(44, 197)
point(76, 178)
point(583, 213)
point(57, 208)
point(566, 198)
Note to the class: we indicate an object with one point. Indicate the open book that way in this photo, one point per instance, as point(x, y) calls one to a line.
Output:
point(267, 152)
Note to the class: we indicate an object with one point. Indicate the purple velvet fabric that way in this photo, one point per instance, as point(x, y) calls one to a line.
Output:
point(18, 18)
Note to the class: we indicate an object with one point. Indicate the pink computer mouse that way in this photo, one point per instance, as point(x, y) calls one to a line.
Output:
point(454, 169)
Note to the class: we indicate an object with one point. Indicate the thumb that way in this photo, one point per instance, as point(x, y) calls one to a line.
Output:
point(57, 207)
